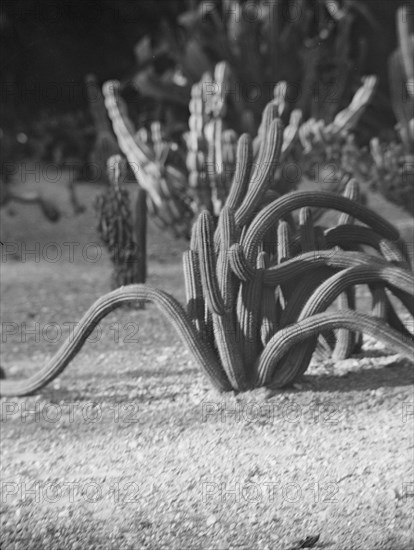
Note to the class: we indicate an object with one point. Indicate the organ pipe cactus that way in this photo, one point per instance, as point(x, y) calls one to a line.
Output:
point(253, 318)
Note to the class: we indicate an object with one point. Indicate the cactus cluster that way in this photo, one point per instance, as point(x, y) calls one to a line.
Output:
point(258, 284)
point(318, 47)
point(261, 282)
point(210, 148)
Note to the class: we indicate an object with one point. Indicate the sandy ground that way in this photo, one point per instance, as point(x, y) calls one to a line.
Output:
point(130, 448)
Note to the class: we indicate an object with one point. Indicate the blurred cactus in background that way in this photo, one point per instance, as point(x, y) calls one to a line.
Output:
point(228, 61)
point(307, 44)
point(210, 144)
point(393, 162)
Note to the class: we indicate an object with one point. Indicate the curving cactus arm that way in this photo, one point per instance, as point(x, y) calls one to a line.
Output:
point(292, 201)
point(279, 345)
point(297, 360)
point(200, 350)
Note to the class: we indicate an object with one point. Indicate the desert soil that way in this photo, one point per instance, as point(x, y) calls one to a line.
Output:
point(130, 448)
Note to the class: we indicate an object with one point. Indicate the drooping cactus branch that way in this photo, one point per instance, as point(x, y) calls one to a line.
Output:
point(203, 354)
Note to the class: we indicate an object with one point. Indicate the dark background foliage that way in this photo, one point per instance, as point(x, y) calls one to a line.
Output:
point(48, 46)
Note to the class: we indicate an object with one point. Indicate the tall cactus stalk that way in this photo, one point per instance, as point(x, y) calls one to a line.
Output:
point(254, 319)
point(127, 248)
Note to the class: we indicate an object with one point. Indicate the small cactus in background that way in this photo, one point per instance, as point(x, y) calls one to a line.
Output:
point(115, 226)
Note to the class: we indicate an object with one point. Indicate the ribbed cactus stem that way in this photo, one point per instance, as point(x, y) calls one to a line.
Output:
point(351, 192)
point(229, 152)
point(270, 113)
point(345, 340)
point(194, 291)
point(227, 230)
point(262, 174)
point(291, 131)
point(306, 230)
point(269, 306)
point(379, 306)
point(207, 257)
point(229, 349)
point(249, 322)
point(242, 174)
point(283, 242)
point(194, 238)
